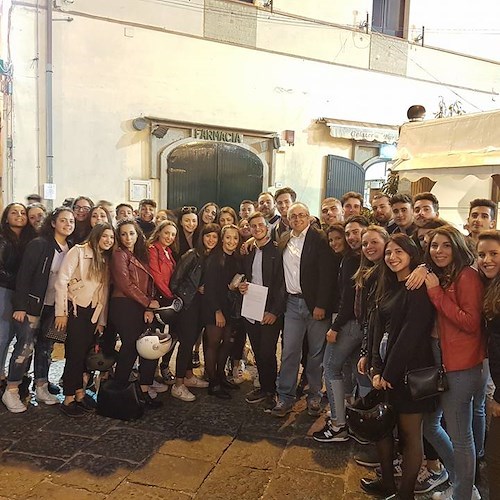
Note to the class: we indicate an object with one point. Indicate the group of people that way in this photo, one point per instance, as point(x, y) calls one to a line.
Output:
point(360, 298)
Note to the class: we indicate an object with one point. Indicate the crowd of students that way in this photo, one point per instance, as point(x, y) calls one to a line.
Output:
point(360, 297)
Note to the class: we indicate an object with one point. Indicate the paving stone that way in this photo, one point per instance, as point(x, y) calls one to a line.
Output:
point(303, 485)
point(19, 473)
point(133, 445)
point(201, 447)
point(17, 425)
point(93, 473)
point(354, 473)
point(254, 452)
point(5, 443)
point(176, 473)
point(46, 489)
point(234, 481)
point(305, 453)
point(265, 425)
point(50, 444)
point(132, 491)
point(91, 425)
point(157, 421)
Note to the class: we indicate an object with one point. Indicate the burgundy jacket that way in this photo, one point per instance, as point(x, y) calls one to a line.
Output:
point(131, 278)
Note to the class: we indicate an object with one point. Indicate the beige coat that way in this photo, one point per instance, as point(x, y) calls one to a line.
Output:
point(73, 285)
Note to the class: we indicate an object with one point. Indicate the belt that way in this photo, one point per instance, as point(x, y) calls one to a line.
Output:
point(297, 295)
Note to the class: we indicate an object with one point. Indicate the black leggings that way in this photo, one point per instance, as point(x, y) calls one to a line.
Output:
point(219, 342)
point(78, 343)
point(128, 317)
point(188, 330)
point(240, 338)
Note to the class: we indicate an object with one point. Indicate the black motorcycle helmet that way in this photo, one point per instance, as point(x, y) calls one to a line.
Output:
point(97, 360)
point(371, 418)
point(166, 315)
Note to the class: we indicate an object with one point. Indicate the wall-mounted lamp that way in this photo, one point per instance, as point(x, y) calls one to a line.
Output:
point(159, 131)
point(289, 137)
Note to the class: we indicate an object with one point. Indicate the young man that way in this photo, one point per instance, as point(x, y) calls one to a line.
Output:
point(264, 266)
point(352, 203)
point(331, 212)
point(267, 207)
point(284, 199)
point(147, 209)
point(425, 208)
point(381, 209)
point(402, 212)
point(124, 211)
point(482, 216)
point(247, 208)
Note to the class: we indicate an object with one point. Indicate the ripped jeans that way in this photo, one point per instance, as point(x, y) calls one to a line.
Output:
point(30, 337)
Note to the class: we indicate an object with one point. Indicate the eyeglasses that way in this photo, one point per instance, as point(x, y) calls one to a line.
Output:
point(78, 208)
point(298, 216)
point(189, 210)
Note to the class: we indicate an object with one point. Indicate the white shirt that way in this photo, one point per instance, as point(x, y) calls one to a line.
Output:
point(257, 278)
point(291, 261)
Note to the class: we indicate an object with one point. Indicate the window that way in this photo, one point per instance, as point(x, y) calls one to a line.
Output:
point(388, 17)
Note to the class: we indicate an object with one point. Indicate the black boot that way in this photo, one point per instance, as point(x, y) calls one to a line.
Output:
point(215, 389)
point(150, 403)
point(376, 487)
point(228, 384)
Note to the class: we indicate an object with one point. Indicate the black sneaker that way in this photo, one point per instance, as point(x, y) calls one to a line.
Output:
point(256, 396)
point(269, 403)
point(150, 403)
point(368, 458)
point(73, 410)
point(331, 434)
point(218, 391)
point(88, 403)
point(196, 359)
point(53, 389)
point(364, 442)
point(228, 384)
point(167, 376)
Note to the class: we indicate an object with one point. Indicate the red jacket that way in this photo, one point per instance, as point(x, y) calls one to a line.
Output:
point(463, 344)
point(162, 268)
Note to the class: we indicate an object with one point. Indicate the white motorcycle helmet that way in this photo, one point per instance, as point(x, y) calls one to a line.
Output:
point(154, 344)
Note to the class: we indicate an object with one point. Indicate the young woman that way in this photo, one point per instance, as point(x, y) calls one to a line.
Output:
point(401, 342)
point(488, 249)
point(227, 216)
point(33, 306)
point(421, 235)
point(336, 238)
point(99, 214)
point(222, 265)
point(82, 205)
point(187, 283)
point(455, 289)
point(15, 234)
point(188, 223)
point(131, 304)
point(209, 213)
point(36, 214)
point(163, 214)
point(82, 290)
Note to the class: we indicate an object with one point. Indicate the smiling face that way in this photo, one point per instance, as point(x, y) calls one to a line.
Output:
point(17, 218)
point(397, 260)
point(167, 235)
point(209, 214)
point(372, 245)
point(299, 219)
point(353, 235)
point(147, 212)
point(423, 212)
point(246, 210)
point(336, 241)
point(266, 205)
point(489, 257)
point(107, 240)
point(124, 213)
point(189, 222)
point(244, 229)
point(403, 214)
point(441, 250)
point(128, 236)
point(230, 240)
point(210, 240)
point(160, 217)
point(258, 228)
point(64, 225)
point(332, 213)
point(98, 215)
point(480, 219)
point(36, 216)
point(225, 219)
point(382, 210)
point(81, 210)
point(352, 206)
point(283, 203)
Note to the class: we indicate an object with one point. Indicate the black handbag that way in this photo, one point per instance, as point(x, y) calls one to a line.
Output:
point(119, 401)
point(427, 382)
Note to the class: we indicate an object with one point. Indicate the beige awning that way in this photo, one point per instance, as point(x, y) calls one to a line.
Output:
point(361, 131)
point(460, 145)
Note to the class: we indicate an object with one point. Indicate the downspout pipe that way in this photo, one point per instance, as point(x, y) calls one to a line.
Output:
point(49, 166)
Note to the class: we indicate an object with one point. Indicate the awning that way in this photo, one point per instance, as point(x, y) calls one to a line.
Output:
point(460, 146)
point(361, 131)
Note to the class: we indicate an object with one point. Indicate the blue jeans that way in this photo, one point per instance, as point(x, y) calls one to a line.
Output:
point(298, 322)
point(6, 326)
point(479, 418)
point(347, 346)
point(456, 446)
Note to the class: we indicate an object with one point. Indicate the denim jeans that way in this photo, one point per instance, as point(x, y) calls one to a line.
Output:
point(479, 416)
point(347, 346)
point(456, 446)
point(6, 326)
point(298, 323)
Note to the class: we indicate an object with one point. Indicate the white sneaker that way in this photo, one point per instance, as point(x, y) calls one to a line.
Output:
point(443, 495)
point(195, 382)
point(475, 494)
point(42, 395)
point(183, 393)
point(158, 387)
point(13, 402)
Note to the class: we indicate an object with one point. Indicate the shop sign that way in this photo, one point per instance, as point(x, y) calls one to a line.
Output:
point(216, 135)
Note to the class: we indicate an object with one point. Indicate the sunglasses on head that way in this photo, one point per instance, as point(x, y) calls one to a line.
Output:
point(189, 210)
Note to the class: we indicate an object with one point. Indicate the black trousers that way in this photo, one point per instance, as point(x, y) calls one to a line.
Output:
point(264, 339)
point(493, 458)
point(128, 317)
point(188, 331)
point(240, 337)
point(79, 340)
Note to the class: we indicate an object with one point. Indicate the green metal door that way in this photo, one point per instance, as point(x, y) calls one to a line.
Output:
point(199, 172)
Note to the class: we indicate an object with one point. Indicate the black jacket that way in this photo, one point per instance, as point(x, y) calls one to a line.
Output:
point(187, 276)
point(272, 277)
point(317, 263)
point(10, 260)
point(33, 276)
point(493, 330)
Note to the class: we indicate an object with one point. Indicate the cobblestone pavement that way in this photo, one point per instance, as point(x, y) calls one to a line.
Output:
point(208, 449)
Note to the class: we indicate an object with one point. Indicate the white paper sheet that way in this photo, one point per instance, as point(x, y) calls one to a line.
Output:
point(254, 302)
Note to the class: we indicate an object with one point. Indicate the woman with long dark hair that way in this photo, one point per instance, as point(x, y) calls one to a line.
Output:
point(33, 306)
point(36, 215)
point(209, 214)
point(131, 304)
point(82, 205)
point(401, 342)
point(99, 214)
point(218, 311)
point(187, 282)
point(456, 292)
point(188, 224)
point(82, 290)
point(14, 236)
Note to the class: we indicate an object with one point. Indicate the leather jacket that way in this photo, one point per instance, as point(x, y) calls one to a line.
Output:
point(187, 276)
point(10, 260)
point(131, 278)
